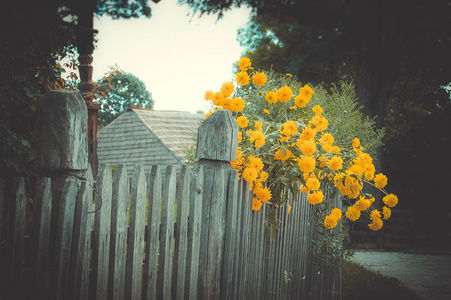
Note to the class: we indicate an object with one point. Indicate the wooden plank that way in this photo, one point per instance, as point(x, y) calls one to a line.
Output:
point(236, 260)
point(213, 228)
point(17, 254)
point(166, 235)
point(63, 243)
point(181, 232)
point(79, 254)
point(153, 234)
point(101, 234)
point(194, 230)
point(135, 251)
point(2, 207)
point(85, 264)
point(230, 235)
point(40, 235)
point(118, 243)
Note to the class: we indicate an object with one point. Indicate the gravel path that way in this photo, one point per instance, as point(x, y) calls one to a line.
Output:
point(427, 274)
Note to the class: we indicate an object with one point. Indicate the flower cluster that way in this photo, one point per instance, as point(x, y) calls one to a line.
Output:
point(285, 142)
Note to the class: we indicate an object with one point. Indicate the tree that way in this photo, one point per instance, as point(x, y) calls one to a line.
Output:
point(121, 92)
point(35, 35)
point(384, 45)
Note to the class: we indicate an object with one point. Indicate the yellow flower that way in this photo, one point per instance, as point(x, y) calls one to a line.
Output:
point(336, 213)
point(208, 95)
point(289, 209)
point(266, 111)
point(326, 139)
point(376, 224)
point(330, 222)
point(256, 204)
point(237, 104)
point(242, 121)
point(255, 162)
point(308, 133)
point(289, 128)
point(257, 138)
point(242, 78)
point(280, 155)
point(380, 180)
point(390, 200)
point(308, 147)
point(289, 75)
point(356, 143)
point(362, 204)
point(259, 79)
point(317, 109)
point(313, 184)
point(284, 94)
point(315, 197)
point(353, 213)
point(306, 91)
point(263, 176)
point(271, 97)
point(263, 194)
point(320, 122)
point(301, 100)
point(240, 136)
point(244, 63)
point(306, 164)
point(335, 163)
point(258, 126)
point(227, 89)
point(375, 214)
point(250, 174)
point(218, 99)
point(386, 212)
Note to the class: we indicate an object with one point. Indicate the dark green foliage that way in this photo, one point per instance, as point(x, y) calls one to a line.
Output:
point(34, 35)
point(126, 90)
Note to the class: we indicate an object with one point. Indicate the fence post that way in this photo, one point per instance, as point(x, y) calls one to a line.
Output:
point(62, 156)
point(216, 147)
point(61, 148)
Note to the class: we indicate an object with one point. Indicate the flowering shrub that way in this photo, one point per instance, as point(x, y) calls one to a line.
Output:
point(294, 138)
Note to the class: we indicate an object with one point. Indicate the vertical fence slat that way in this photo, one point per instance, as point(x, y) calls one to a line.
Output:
point(2, 207)
point(41, 235)
point(166, 235)
point(18, 238)
point(229, 249)
point(183, 188)
point(194, 229)
point(81, 235)
point(101, 234)
point(153, 235)
point(64, 237)
point(118, 243)
point(135, 251)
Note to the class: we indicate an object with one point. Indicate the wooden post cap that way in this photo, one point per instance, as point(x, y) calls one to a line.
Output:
point(62, 120)
point(218, 137)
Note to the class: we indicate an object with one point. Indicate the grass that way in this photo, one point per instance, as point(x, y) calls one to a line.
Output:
point(360, 283)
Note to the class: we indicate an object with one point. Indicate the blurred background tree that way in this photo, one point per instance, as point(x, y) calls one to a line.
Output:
point(396, 54)
point(120, 92)
point(35, 35)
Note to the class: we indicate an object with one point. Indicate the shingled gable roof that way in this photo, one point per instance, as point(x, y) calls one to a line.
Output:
point(148, 137)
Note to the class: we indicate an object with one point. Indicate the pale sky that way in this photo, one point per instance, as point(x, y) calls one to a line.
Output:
point(177, 59)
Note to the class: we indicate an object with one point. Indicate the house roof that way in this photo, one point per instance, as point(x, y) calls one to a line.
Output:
point(148, 137)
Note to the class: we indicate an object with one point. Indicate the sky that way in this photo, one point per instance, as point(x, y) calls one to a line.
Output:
point(179, 57)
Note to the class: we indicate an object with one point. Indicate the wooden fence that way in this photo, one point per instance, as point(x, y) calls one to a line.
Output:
point(186, 236)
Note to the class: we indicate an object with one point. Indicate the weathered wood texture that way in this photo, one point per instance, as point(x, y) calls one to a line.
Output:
point(197, 239)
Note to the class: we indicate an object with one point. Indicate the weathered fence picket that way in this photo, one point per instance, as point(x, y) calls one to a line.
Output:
point(218, 248)
point(136, 227)
point(166, 235)
point(153, 234)
point(118, 248)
